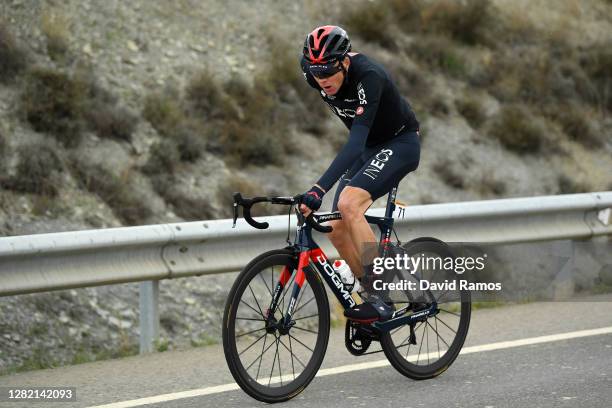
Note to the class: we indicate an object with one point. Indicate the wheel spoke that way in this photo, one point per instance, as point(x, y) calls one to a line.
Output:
point(256, 302)
point(273, 361)
point(442, 321)
point(248, 318)
point(298, 340)
point(438, 334)
point(251, 307)
point(307, 330)
point(252, 344)
point(290, 350)
point(420, 347)
point(449, 312)
point(302, 306)
point(249, 332)
point(265, 284)
point(307, 317)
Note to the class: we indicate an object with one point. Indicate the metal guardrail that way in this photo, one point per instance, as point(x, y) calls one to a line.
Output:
point(44, 262)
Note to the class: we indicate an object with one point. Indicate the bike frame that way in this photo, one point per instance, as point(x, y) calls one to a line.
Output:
point(310, 256)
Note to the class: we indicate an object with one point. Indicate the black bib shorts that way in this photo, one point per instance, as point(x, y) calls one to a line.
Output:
point(381, 167)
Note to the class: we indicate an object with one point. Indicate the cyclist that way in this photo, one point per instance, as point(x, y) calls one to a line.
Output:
point(382, 147)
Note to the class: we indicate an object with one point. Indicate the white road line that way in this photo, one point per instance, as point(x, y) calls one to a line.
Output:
point(356, 367)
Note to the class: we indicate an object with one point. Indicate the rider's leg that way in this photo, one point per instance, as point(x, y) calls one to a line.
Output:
point(352, 204)
point(342, 241)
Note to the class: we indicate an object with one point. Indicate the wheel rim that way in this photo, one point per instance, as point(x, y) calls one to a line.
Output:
point(271, 355)
point(439, 334)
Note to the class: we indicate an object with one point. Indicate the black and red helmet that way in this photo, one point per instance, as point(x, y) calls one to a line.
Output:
point(326, 44)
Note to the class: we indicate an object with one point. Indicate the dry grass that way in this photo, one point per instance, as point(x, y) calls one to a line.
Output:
point(163, 111)
point(577, 124)
point(440, 54)
point(13, 58)
point(115, 191)
point(570, 186)
point(204, 95)
point(518, 130)
point(444, 169)
point(184, 205)
point(371, 21)
point(56, 29)
point(466, 21)
point(110, 121)
point(39, 170)
point(163, 158)
point(489, 185)
point(53, 102)
point(470, 107)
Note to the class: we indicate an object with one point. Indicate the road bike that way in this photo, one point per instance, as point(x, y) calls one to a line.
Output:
point(276, 323)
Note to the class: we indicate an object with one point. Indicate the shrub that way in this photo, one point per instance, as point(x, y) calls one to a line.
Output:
point(190, 144)
point(466, 21)
point(472, 110)
point(111, 121)
point(55, 29)
point(13, 58)
point(54, 102)
point(253, 137)
point(163, 111)
point(205, 95)
point(576, 123)
point(569, 186)
point(113, 190)
point(518, 130)
point(371, 21)
point(439, 53)
point(490, 185)
point(163, 158)
point(187, 207)
point(38, 170)
point(444, 169)
point(3, 150)
point(597, 62)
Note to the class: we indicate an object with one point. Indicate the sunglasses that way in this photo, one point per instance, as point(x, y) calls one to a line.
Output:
point(327, 72)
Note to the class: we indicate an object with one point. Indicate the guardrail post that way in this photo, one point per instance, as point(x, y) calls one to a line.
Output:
point(563, 285)
point(149, 315)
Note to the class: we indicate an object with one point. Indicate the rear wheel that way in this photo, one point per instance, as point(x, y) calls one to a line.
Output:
point(270, 362)
point(431, 346)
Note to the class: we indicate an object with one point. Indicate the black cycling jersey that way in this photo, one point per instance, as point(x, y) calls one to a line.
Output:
point(370, 105)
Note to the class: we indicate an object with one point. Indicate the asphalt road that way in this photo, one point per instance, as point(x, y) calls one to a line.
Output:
point(571, 369)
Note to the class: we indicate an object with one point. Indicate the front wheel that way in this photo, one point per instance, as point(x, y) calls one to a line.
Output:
point(271, 362)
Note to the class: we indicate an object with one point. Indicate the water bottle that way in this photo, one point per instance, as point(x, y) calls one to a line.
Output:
point(346, 276)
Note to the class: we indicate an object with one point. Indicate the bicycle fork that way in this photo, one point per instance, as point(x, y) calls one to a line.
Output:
point(303, 261)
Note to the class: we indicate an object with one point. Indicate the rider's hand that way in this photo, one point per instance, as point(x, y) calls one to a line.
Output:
point(312, 199)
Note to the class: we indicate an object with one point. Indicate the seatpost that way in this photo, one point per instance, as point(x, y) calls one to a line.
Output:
point(391, 202)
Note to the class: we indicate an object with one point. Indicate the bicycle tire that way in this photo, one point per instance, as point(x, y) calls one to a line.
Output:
point(245, 380)
point(423, 372)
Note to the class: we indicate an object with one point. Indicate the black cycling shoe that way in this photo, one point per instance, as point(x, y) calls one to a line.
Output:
point(371, 310)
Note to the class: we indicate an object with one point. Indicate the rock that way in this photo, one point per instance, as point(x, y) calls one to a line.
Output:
point(63, 318)
point(190, 301)
point(87, 50)
point(211, 43)
point(197, 48)
point(250, 66)
point(132, 46)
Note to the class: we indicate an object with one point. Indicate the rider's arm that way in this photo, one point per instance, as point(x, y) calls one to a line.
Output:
point(347, 155)
point(369, 91)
